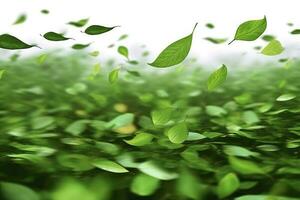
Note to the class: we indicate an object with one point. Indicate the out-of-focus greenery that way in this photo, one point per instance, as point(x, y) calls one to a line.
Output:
point(67, 133)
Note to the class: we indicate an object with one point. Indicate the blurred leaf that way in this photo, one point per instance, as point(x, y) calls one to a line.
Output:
point(216, 40)
point(80, 46)
point(123, 51)
point(21, 19)
point(152, 169)
point(144, 185)
point(285, 97)
point(264, 197)
point(295, 31)
point(109, 166)
point(140, 139)
point(79, 23)
point(228, 185)
point(113, 75)
point(210, 25)
point(244, 166)
point(14, 191)
point(217, 78)
point(161, 117)
point(273, 48)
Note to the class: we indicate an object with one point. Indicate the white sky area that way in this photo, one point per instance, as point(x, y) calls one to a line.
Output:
point(155, 23)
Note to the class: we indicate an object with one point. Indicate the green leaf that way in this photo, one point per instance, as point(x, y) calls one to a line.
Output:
point(21, 19)
point(122, 120)
point(42, 122)
point(286, 97)
point(123, 51)
point(77, 127)
point(79, 23)
point(141, 139)
point(210, 25)
point(76, 162)
point(113, 75)
point(45, 11)
point(109, 166)
point(97, 29)
point(178, 133)
point(14, 191)
point(233, 150)
point(175, 53)
point(2, 71)
point(134, 73)
point(268, 38)
point(94, 53)
point(10, 42)
point(80, 46)
point(144, 185)
point(273, 48)
point(161, 117)
point(250, 30)
point(42, 58)
point(216, 40)
point(122, 37)
point(295, 32)
point(217, 78)
point(245, 166)
point(228, 185)
point(264, 197)
point(52, 36)
point(153, 169)
point(215, 111)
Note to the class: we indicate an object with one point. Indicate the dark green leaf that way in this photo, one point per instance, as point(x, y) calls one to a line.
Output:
point(295, 32)
point(216, 40)
point(10, 42)
point(21, 19)
point(52, 36)
point(97, 29)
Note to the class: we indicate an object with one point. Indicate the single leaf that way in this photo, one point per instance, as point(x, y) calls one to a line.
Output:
point(141, 139)
point(80, 46)
point(245, 166)
point(175, 53)
point(250, 30)
point(228, 185)
point(21, 19)
point(122, 37)
point(217, 78)
point(286, 97)
point(232, 150)
point(144, 185)
point(94, 53)
point(14, 191)
point(45, 11)
point(215, 111)
point(264, 197)
point(42, 122)
point(42, 58)
point(52, 36)
point(268, 38)
point(113, 75)
point(295, 32)
point(273, 48)
point(134, 73)
point(161, 117)
point(153, 169)
point(210, 25)
point(79, 23)
point(178, 133)
point(121, 120)
point(216, 40)
point(110, 166)
point(123, 51)
point(2, 71)
point(97, 29)
point(10, 42)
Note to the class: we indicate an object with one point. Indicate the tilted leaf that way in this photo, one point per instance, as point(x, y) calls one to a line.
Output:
point(144, 185)
point(110, 166)
point(97, 29)
point(273, 48)
point(52, 36)
point(161, 117)
point(245, 166)
point(123, 51)
point(113, 75)
point(217, 78)
point(178, 133)
point(10, 42)
point(151, 168)
point(175, 53)
point(140, 139)
point(216, 40)
point(79, 23)
point(21, 19)
point(80, 46)
point(295, 32)
point(228, 185)
point(14, 191)
point(286, 97)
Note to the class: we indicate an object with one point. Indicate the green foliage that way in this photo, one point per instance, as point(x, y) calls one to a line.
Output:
point(79, 23)
point(10, 42)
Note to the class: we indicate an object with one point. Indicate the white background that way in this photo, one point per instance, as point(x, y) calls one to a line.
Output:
point(156, 24)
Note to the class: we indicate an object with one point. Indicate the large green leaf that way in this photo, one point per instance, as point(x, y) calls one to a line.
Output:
point(178, 133)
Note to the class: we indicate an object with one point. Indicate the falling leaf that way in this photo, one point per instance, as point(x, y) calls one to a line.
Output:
point(217, 78)
point(45, 11)
point(228, 185)
point(175, 53)
point(97, 29)
point(273, 48)
point(21, 19)
point(216, 40)
point(94, 53)
point(80, 46)
point(210, 25)
point(10, 42)
point(123, 37)
point(268, 38)
point(2, 71)
point(245, 166)
point(250, 30)
point(14, 191)
point(52, 36)
point(113, 75)
point(42, 58)
point(178, 133)
point(123, 51)
point(79, 23)
point(295, 32)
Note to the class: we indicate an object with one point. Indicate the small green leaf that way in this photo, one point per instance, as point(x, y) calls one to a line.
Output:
point(161, 117)
point(273, 48)
point(153, 169)
point(42, 58)
point(245, 166)
point(217, 78)
point(178, 133)
point(175, 53)
point(80, 46)
point(123, 51)
point(42, 122)
point(250, 30)
point(113, 75)
point(140, 139)
point(233, 150)
point(10, 42)
point(45, 11)
point(14, 191)
point(79, 23)
point(77, 127)
point(52, 36)
point(210, 25)
point(2, 71)
point(286, 97)
point(94, 53)
point(97, 29)
point(216, 40)
point(228, 185)
point(122, 120)
point(268, 38)
point(122, 37)
point(215, 111)
point(134, 73)
point(109, 166)
point(21, 19)
point(144, 185)
point(295, 32)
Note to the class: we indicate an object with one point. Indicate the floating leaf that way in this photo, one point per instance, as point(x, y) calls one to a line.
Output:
point(175, 53)
point(113, 75)
point(10, 42)
point(14, 191)
point(161, 117)
point(178, 133)
point(122, 120)
point(42, 58)
point(21, 19)
point(295, 32)
point(94, 53)
point(141, 139)
point(80, 46)
point(216, 40)
point(273, 48)
point(268, 38)
point(45, 11)
point(217, 78)
point(250, 30)
point(134, 73)
point(210, 25)
point(144, 185)
point(122, 37)
point(79, 23)
point(228, 185)
point(52, 36)
point(286, 97)
point(97, 29)
point(123, 51)
point(153, 169)
point(109, 166)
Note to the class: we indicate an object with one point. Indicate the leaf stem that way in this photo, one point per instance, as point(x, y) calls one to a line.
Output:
point(194, 27)
point(231, 41)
